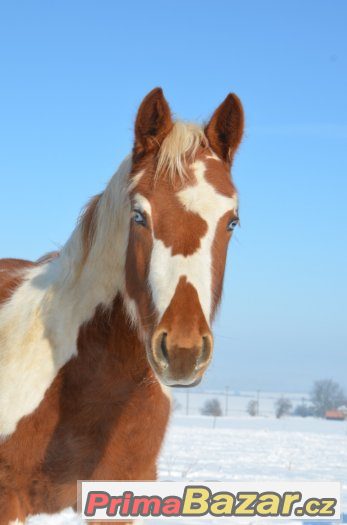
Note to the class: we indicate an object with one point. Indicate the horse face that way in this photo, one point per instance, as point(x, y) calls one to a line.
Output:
point(184, 209)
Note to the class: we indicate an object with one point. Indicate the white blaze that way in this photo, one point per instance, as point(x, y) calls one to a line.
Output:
point(166, 269)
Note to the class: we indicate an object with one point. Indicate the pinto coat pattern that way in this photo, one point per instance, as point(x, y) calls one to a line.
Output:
point(90, 337)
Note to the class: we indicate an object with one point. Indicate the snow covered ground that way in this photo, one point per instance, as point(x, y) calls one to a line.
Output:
point(200, 448)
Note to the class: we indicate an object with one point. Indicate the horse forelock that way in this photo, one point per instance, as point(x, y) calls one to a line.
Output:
point(179, 149)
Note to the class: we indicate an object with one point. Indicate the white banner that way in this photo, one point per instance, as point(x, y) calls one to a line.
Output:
point(110, 500)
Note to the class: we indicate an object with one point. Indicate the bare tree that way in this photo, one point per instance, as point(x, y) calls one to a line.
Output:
point(212, 408)
point(252, 408)
point(283, 406)
point(326, 395)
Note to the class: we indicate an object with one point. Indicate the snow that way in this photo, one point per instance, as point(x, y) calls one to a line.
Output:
point(243, 448)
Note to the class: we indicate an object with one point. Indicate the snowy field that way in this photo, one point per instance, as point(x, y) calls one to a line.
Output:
point(200, 448)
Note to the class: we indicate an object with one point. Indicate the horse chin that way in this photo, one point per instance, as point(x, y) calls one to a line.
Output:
point(190, 385)
point(177, 383)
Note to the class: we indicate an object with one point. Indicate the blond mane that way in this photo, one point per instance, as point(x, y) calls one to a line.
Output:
point(179, 147)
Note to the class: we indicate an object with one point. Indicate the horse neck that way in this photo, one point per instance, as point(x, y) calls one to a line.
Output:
point(40, 322)
point(109, 347)
point(90, 269)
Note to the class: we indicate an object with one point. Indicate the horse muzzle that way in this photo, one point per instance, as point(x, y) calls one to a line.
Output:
point(180, 361)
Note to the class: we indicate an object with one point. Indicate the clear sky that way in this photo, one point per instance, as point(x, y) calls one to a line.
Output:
point(72, 76)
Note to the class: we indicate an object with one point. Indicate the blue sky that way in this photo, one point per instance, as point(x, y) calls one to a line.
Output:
point(72, 76)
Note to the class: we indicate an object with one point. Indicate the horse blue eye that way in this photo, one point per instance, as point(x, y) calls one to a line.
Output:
point(139, 218)
point(232, 224)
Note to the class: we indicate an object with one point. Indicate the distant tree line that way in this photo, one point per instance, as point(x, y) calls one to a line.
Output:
point(325, 395)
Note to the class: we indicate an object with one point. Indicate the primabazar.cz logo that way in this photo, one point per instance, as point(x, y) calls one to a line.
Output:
point(109, 500)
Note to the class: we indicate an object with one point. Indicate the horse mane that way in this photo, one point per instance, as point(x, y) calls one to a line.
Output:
point(40, 320)
point(104, 212)
point(178, 148)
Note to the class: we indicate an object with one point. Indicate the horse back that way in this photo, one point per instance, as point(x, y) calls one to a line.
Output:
point(12, 272)
point(11, 275)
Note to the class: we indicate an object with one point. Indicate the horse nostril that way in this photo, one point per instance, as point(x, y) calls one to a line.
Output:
point(163, 354)
point(205, 353)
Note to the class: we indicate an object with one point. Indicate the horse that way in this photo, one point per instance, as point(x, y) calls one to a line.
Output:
point(91, 337)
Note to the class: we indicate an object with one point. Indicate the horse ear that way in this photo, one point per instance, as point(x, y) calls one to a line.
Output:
point(225, 129)
point(153, 122)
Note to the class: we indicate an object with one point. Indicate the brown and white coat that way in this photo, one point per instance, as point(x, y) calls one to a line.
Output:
point(90, 337)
